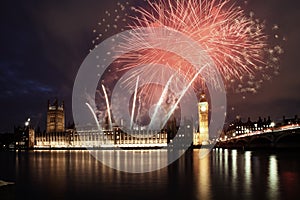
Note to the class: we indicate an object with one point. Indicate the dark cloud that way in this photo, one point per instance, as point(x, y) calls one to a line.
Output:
point(15, 84)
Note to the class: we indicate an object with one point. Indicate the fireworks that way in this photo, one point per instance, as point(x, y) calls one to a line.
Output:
point(152, 71)
point(237, 43)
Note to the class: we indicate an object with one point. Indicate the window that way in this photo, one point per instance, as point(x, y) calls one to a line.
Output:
point(52, 119)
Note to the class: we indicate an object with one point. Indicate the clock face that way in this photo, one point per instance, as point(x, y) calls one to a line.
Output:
point(203, 108)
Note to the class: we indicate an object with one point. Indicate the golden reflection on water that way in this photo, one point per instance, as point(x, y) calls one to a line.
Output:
point(55, 167)
point(247, 169)
point(231, 169)
point(226, 167)
point(273, 180)
point(58, 167)
point(201, 165)
point(135, 161)
point(234, 169)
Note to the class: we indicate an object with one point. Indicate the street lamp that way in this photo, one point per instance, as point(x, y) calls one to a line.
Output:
point(272, 124)
point(27, 122)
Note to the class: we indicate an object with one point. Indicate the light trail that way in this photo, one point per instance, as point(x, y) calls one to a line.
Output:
point(134, 102)
point(108, 108)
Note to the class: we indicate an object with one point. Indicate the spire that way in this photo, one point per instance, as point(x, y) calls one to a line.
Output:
point(203, 96)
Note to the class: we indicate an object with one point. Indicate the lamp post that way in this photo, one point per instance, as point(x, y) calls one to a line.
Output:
point(27, 122)
point(272, 125)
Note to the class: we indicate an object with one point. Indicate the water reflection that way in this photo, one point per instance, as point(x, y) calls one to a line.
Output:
point(273, 179)
point(234, 164)
point(247, 171)
point(44, 169)
point(201, 171)
point(136, 161)
point(246, 174)
point(234, 169)
point(226, 162)
point(222, 174)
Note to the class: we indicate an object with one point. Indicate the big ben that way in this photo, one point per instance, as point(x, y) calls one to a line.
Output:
point(202, 137)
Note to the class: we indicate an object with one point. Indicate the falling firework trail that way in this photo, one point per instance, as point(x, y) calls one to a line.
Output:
point(134, 102)
point(183, 92)
point(160, 101)
point(108, 108)
point(94, 115)
point(139, 108)
point(95, 118)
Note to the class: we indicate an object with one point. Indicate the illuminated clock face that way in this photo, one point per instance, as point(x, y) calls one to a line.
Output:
point(203, 108)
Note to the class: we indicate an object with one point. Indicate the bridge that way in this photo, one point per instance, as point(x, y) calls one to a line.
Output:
point(287, 136)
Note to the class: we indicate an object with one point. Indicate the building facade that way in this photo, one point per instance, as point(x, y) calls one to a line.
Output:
point(56, 136)
point(238, 127)
point(94, 138)
point(201, 137)
point(55, 117)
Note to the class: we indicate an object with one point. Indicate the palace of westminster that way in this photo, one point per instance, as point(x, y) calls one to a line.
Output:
point(58, 136)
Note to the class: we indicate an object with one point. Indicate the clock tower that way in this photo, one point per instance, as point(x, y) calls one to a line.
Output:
point(202, 137)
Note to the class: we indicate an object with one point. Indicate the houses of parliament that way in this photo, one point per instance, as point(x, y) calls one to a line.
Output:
point(58, 136)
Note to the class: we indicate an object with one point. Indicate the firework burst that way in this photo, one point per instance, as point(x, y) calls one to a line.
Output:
point(237, 43)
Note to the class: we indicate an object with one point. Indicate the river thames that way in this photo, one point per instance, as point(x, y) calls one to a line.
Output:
point(222, 174)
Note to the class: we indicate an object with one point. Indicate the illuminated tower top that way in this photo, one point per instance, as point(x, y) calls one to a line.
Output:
point(203, 105)
point(203, 112)
point(202, 97)
point(55, 117)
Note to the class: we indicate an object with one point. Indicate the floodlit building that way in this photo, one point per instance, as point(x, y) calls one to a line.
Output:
point(238, 127)
point(201, 137)
point(55, 117)
point(56, 136)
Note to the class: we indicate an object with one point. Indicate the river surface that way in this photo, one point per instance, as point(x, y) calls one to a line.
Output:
point(222, 174)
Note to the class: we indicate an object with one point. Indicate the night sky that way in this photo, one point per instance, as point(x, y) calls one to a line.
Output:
point(43, 43)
